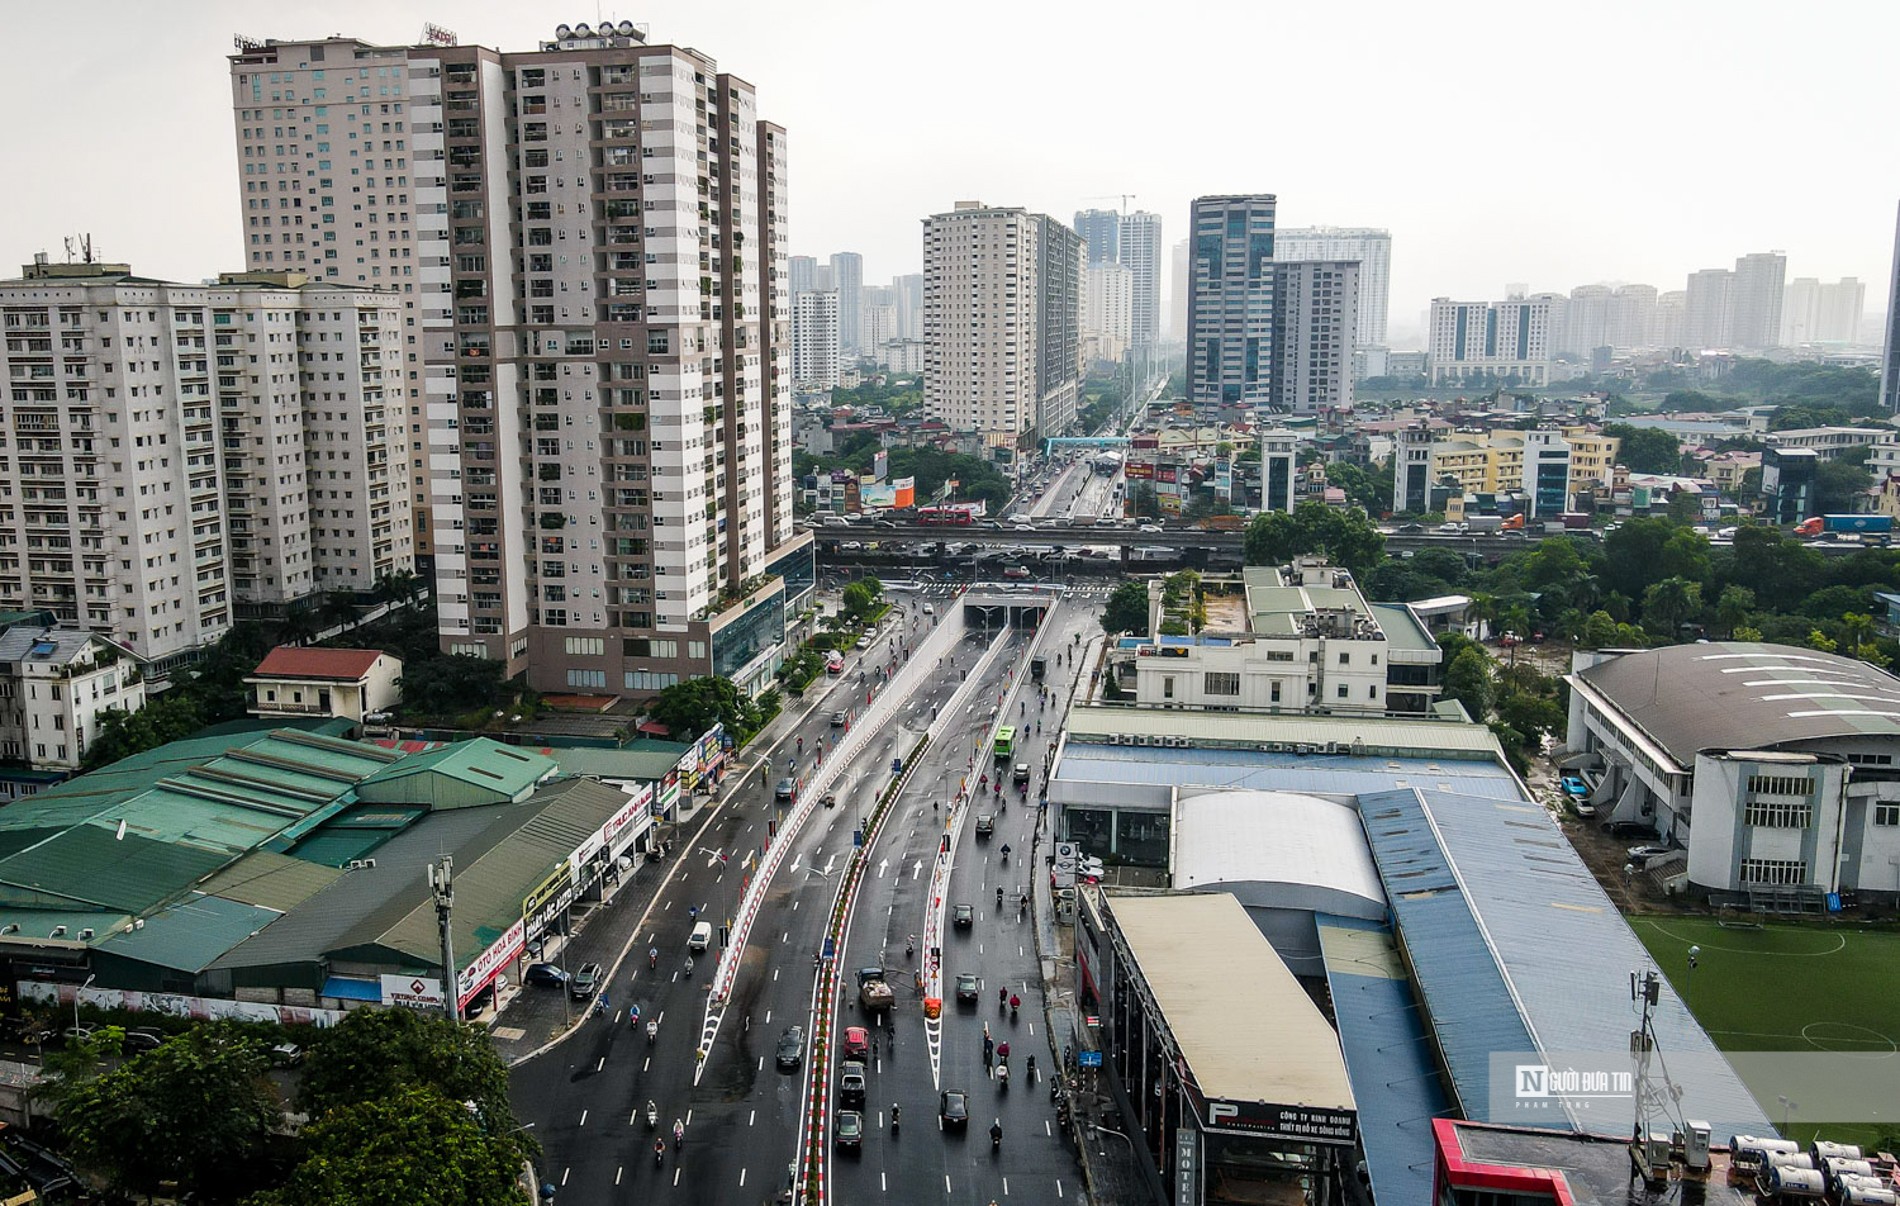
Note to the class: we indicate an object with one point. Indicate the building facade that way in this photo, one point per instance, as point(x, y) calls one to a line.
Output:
point(54, 684)
point(802, 272)
point(308, 115)
point(1760, 281)
point(1230, 300)
point(1890, 350)
point(815, 340)
point(1371, 248)
point(1315, 303)
point(1101, 230)
point(182, 450)
point(1709, 315)
point(1107, 315)
point(1491, 340)
point(1178, 299)
point(608, 359)
point(1061, 350)
point(847, 277)
point(1141, 255)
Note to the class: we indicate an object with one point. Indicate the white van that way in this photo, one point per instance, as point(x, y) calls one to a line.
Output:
point(701, 937)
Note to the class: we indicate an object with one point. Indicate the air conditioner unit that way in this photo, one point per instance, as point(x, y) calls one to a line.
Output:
point(1114, 738)
point(1276, 747)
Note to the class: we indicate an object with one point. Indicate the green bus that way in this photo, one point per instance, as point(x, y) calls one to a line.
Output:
point(1004, 744)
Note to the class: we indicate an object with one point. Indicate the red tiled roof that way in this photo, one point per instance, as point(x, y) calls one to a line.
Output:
point(289, 661)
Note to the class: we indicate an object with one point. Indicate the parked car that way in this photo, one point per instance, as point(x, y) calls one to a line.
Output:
point(953, 1109)
point(1015, 571)
point(791, 1049)
point(286, 1055)
point(1640, 856)
point(144, 1038)
point(545, 975)
point(864, 642)
point(967, 984)
point(79, 1032)
point(585, 981)
point(850, 1130)
point(963, 916)
point(1573, 785)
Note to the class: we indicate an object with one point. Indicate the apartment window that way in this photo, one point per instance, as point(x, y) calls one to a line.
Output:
point(586, 647)
point(1773, 871)
point(1342, 690)
point(1887, 814)
point(1778, 816)
point(1779, 785)
point(1220, 683)
point(1167, 686)
point(1275, 697)
point(1345, 659)
point(586, 678)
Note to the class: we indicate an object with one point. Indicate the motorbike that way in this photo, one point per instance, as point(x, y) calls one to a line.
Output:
point(996, 1136)
point(653, 1116)
point(896, 1117)
point(653, 1032)
point(659, 1153)
point(1002, 1078)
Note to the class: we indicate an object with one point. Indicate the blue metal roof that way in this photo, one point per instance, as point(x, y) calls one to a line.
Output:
point(1467, 1001)
point(1394, 1077)
point(343, 988)
point(1336, 774)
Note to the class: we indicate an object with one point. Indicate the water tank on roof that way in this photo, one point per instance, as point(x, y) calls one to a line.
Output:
point(1796, 1182)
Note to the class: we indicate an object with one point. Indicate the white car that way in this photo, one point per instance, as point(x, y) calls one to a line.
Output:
point(1149, 527)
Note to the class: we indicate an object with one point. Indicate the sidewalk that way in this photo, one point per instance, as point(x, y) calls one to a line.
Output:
point(534, 1019)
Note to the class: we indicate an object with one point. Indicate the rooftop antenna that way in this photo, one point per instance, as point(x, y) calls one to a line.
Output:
point(82, 243)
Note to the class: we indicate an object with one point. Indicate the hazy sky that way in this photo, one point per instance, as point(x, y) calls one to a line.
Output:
point(1624, 140)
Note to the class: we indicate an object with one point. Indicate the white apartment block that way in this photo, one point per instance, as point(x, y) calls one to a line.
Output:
point(1108, 317)
point(324, 144)
point(1315, 304)
point(1507, 339)
point(1372, 249)
point(54, 683)
point(606, 331)
point(904, 355)
point(982, 337)
point(815, 340)
point(1140, 237)
point(178, 449)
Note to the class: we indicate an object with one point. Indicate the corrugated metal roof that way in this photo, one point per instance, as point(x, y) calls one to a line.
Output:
point(1245, 1027)
point(1326, 774)
point(1467, 1000)
point(487, 772)
point(1739, 695)
point(270, 880)
point(89, 865)
point(1394, 1078)
point(190, 934)
point(1252, 729)
point(647, 760)
point(1568, 954)
point(1403, 629)
point(1273, 837)
point(292, 661)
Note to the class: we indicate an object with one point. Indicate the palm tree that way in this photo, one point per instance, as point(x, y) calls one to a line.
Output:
point(1732, 608)
point(1585, 591)
point(1857, 632)
point(1672, 601)
point(339, 607)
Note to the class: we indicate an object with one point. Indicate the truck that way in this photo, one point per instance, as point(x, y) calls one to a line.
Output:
point(874, 994)
point(1513, 523)
point(1481, 524)
point(1830, 525)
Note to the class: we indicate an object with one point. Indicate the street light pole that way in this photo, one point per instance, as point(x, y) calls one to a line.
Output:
point(76, 995)
point(442, 887)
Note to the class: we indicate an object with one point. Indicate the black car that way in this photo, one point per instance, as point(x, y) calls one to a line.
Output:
point(786, 791)
point(851, 1084)
point(953, 1110)
point(967, 988)
point(985, 826)
point(586, 981)
point(544, 975)
point(850, 1130)
point(963, 916)
point(791, 1049)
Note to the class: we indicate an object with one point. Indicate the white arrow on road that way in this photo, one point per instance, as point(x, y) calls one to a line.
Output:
point(881, 866)
point(828, 865)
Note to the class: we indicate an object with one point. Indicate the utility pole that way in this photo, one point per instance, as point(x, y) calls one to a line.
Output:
point(442, 886)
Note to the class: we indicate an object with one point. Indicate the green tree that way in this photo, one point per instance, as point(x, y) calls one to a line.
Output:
point(1127, 609)
point(690, 708)
point(446, 685)
point(1468, 680)
point(1746, 634)
point(1857, 634)
point(1779, 570)
point(1535, 716)
point(197, 1111)
point(1599, 631)
point(1839, 487)
point(1733, 606)
point(414, 1145)
point(860, 598)
point(1646, 449)
point(1821, 641)
point(1346, 537)
point(1668, 604)
point(373, 1053)
point(1685, 508)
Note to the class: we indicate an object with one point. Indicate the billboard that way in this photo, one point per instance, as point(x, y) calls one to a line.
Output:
point(880, 465)
point(415, 992)
point(899, 495)
point(906, 488)
point(1139, 469)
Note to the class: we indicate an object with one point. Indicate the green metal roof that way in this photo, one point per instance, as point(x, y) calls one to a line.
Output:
point(1402, 629)
point(270, 880)
point(650, 761)
point(190, 934)
point(463, 775)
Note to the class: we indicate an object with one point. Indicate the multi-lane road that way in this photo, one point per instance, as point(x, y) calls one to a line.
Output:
point(586, 1097)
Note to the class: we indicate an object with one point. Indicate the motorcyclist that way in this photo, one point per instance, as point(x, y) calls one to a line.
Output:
point(653, 957)
point(996, 1133)
point(1005, 857)
point(679, 1133)
point(653, 1031)
point(653, 1114)
point(897, 1116)
point(633, 1014)
point(659, 1152)
point(1015, 1003)
point(1002, 998)
point(999, 896)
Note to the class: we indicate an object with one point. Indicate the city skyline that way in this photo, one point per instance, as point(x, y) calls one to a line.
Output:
point(1458, 234)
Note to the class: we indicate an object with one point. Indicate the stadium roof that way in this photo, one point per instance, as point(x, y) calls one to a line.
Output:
point(1739, 695)
point(1245, 1028)
point(1274, 837)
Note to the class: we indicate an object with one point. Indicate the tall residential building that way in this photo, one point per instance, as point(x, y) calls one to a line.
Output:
point(847, 277)
point(1061, 352)
point(1371, 247)
point(1709, 317)
point(1230, 300)
point(1279, 469)
point(910, 305)
point(607, 339)
point(988, 309)
point(1586, 321)
point(1759, 283)
point(348, 214)
point(1178, 300)
point(182, 449)
point(815, 340)
point(1672, 316)
point(1890, 351)
point(1141, 255)
point(1315, 303)
point(1106, 325)
point(1503, 340)
point(1815, 311)
point(803, 275)
point(1633, 317)
point(878, 326)
point(1101, 230)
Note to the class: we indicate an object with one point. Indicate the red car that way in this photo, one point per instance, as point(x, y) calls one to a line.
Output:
point(857, 1043)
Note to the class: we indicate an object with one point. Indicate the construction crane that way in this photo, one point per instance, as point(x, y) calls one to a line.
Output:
point(1125, 199)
